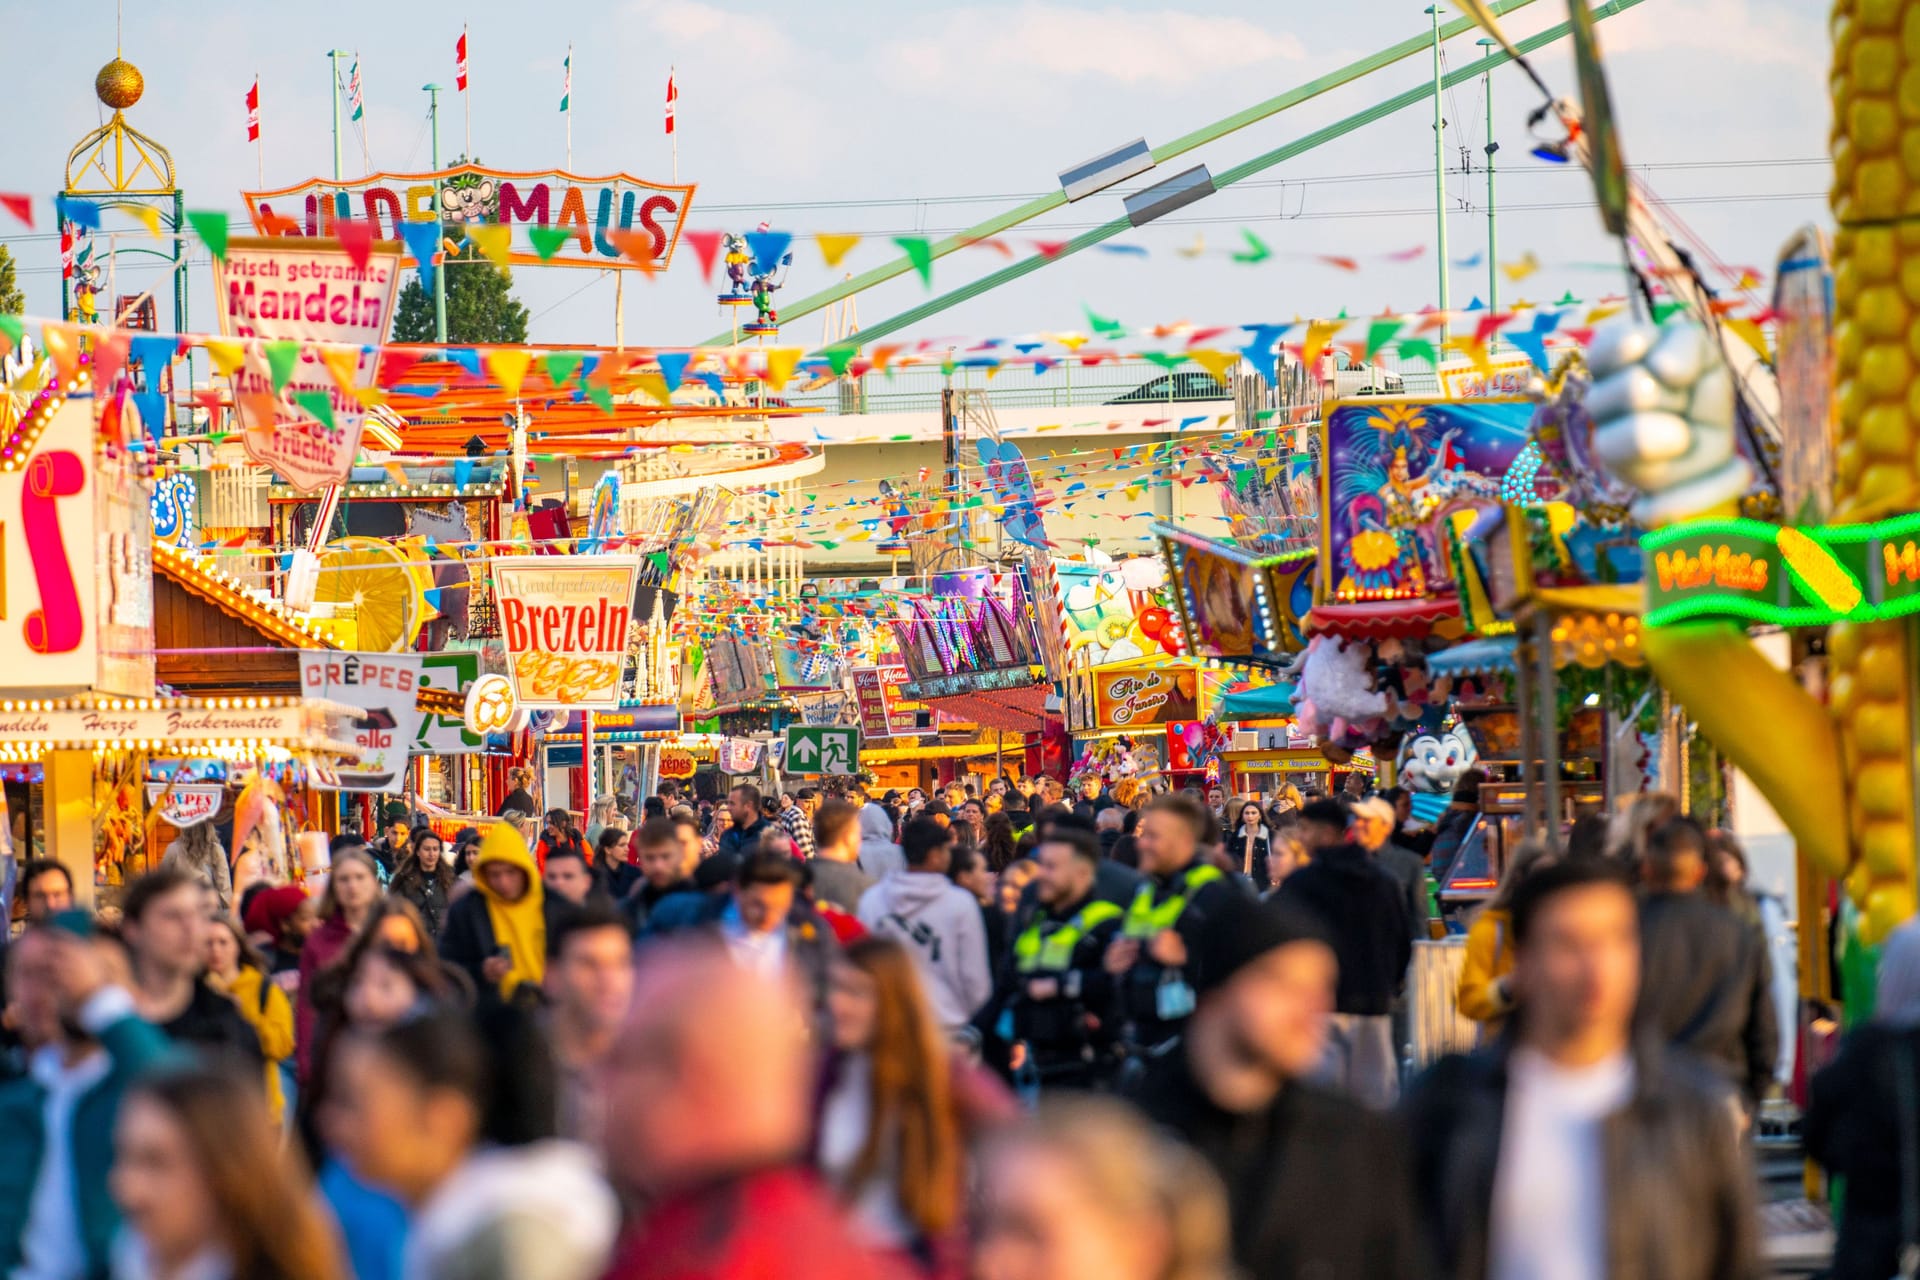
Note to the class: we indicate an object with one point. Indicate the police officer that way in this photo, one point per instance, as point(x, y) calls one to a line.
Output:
point(1151, 959)
point(1061, 993)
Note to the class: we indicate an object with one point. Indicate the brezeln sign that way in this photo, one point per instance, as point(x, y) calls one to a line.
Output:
point(564, 620)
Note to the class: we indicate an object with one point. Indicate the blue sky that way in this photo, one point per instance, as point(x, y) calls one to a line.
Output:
point(894, 118)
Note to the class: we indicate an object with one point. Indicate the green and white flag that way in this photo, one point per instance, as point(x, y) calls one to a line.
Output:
point(566, 93)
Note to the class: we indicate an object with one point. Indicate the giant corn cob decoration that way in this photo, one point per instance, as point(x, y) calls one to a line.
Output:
point(1876, 184)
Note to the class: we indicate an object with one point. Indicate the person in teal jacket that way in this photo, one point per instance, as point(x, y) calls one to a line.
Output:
point(57, 1220)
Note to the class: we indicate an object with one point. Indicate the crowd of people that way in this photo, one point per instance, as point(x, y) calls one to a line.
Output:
point(1026, 1033)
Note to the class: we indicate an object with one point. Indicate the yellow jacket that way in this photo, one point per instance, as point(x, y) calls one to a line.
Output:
point(1489, 959)
point(266, 1007)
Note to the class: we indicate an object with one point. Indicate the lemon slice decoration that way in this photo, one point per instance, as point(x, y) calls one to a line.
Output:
point(379, 602)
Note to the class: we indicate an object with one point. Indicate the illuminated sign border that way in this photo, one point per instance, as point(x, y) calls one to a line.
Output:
point(1850, 561)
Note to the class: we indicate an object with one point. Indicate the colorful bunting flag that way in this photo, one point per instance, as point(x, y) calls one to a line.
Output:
point(211, 226)
point(919, 251)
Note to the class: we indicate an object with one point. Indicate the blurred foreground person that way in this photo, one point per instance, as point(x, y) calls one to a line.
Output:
point(456, 1115)
point(1568, 1149)
point(1709, 987)
point(1084, 1189)
point(207, 1190)
point(57, 1221)
point(164, 922)
point(1863, 1119)
point(707, 1104)
point(887, 1135)
point(589, 982)
point(239, 972)
point(1316, 1183)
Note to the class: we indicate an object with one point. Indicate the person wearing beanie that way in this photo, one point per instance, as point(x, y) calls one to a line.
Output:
point(1364, 911)
point(1316, 1183)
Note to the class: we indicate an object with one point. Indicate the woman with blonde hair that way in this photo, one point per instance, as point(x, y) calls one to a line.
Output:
point(197, 850)
point(206, 1187)
point(520, 799)
point(236, 967)
point(1085, 1187)
point(1627, 834)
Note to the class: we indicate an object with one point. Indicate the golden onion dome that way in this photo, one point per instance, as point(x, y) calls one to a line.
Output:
point(119, 84)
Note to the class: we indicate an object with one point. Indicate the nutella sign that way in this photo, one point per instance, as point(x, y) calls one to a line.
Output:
point(565, 620)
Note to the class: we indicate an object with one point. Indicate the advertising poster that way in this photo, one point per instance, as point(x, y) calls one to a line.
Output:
point(384, 688)
point(285, 289)
point(447, 735)
point(189, 804)
point(1136, 697)
point(1395, 471)
point(564, 620)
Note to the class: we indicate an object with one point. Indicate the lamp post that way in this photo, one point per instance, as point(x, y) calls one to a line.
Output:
point(440, 276)
point(1487, 45)
point(1440, 179)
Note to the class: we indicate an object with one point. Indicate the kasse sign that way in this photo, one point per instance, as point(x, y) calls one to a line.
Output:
point(565, 621)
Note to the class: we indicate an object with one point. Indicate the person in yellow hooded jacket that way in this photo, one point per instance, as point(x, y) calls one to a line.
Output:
point(236, 968)
point(1484, 995)
point(498, 933)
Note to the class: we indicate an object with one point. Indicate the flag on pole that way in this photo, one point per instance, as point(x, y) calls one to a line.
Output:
point(253, 111)
point(353, 91)
point(673, 96)
point(460, 63)
point(66, 253)
point(566, 92)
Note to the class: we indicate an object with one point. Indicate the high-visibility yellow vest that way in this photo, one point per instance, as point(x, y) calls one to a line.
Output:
point(1047, 947)
point(1145, 919)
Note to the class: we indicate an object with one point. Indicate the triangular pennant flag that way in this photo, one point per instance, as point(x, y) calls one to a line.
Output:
point(919, 251)
point(262, 407)
point(1418, 349)
point(467, 358)
point(153, 413)
point(706, 248)
point(318, 405)
point(673, 368)
point(356, 237)
point(1256, 250)
point(20, 206)
point(343, 363)
point(598, 392)
point(153, 352)
point(1533, 341)
point(636, 247)
point(494, 243)
point(652, 384)
point(1476, 304)
point(14, 328)
point(1101, 325)
point(147, 216)
point(81, 213)
point(394, 363)
point(1217, 363)
point(1490, 325)
point(767, 247)
point(282, 355)
point(834, 247)
point(508, 367)
point(62, 342)
point(1748, 331)
point(109, 356)
point(211, 226)
point(546, 241)
point(423, 242)
point(780, 365)
point(560, 365)
point(227, 355)
point(1381, 332)
point(1475, 349)
point(1319, 333)
point(839, 356)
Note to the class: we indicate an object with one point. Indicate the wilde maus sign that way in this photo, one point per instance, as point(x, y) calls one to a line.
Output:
point(564, 620)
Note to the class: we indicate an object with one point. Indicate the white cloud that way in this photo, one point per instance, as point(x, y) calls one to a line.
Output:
point(1749, 34)
point(1163, 49)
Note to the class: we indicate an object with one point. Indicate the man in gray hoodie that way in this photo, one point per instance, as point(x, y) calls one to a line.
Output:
point(936, 920)
point(879, 855)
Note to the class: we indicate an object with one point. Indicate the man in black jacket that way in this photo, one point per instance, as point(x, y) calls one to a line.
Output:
point(1316, 1184)
point(164, 923)
point(1570, 1149)
point(749, 824)
point(1058, 991)
point(1365, 915)
point(1709, 983)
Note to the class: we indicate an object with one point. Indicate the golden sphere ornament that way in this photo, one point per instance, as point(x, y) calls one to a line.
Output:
point(119, 84)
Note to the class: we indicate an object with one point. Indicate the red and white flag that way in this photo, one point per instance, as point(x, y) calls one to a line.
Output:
point(460, 63)
point(253, 111)
point(673, 96)
point(66, 253)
